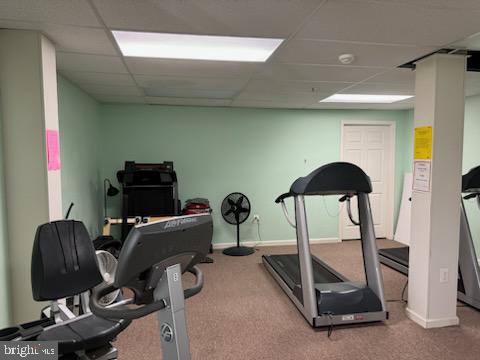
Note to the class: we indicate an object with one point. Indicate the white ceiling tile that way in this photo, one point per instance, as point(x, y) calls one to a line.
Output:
point(120, 99)
point(80, 39)
point(110, 79)
point(69, 12)
point(300, 98)
point(94, 89)
point(315, 72)
point(190, 93)
point(90, 63)
point(390, 23)
point(190, 68)
point(394, 76)
point(195, 83)
point(68, 38)
point(268, 104)
point(381, 89)
point(400, 81)
point(444, 4)
point(327, 53)
point(190, 87)
point(305, 87)
point(187, 101)
point(274, 18)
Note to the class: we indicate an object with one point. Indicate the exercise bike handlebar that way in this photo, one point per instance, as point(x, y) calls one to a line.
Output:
point(136, 313)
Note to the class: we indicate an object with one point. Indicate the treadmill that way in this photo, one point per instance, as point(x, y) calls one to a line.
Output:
point(468, 288)
point(324, 296)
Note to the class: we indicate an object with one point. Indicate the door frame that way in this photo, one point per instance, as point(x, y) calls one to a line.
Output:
point(390, 203)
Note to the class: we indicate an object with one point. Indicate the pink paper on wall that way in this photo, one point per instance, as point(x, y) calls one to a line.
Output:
point(53, 150)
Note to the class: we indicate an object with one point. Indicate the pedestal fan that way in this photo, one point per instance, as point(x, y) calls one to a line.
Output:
point(235, 210)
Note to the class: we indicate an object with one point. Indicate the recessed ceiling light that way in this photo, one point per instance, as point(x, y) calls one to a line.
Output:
point(195, 47)
point(364, 98)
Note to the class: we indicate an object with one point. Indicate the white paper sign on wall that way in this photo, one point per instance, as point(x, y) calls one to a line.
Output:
point(421, 175)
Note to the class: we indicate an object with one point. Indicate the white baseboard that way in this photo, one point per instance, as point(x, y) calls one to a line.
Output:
point(431, 323)
point(220, 246)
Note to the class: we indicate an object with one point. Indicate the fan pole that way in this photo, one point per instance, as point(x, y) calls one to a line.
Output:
point(238, 235)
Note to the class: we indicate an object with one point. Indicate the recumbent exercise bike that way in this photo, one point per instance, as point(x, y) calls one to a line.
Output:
point(151, 262)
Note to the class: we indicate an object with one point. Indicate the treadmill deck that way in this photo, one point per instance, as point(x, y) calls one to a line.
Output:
point(398, 254)
point(335, 294)
point(287, 266)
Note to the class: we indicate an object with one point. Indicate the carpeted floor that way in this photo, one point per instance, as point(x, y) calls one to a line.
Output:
point(243, 314)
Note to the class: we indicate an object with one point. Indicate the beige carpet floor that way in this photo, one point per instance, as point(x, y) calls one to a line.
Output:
point(243, 314)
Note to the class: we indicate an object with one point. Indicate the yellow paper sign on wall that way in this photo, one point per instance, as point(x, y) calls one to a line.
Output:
point(422, 148)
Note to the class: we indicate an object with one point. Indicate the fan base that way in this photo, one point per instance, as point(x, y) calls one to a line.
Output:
point(239, 251)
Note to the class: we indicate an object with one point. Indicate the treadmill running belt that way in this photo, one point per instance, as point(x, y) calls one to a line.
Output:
point(399, 255)
point(287, 266)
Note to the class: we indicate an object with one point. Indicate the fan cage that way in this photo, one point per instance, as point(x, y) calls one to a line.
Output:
point(231, 204)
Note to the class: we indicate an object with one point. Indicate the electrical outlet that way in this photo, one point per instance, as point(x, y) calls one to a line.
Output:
point(256, 218)
point(443, 275)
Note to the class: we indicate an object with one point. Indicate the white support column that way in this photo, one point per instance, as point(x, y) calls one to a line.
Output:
point(433, 271)
point(28, 102)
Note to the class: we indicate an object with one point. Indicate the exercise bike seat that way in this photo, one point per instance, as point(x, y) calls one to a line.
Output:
point(84, 333)
point(64, 264)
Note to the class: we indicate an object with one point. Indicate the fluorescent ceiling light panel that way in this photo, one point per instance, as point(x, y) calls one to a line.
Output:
point(195, 47)
point(365, 99)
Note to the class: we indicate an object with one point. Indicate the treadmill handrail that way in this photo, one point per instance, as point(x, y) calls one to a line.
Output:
point(287, 215)
point(283, 197)
point(350, 215)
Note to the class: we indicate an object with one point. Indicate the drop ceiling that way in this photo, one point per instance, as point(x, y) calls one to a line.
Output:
point(382, 34)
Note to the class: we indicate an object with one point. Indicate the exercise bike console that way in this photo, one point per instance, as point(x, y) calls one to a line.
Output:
point(151, 263)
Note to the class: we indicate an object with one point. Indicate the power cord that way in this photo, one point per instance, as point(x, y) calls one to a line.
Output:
point(330, 323)
point(406, 301)
point(402, 299)
point(328, 212)
point(259, 236)
point(403, 292)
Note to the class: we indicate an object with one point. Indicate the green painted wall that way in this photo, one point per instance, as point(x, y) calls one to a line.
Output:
point(256, 151)
point(408, 138)
point(80, 146)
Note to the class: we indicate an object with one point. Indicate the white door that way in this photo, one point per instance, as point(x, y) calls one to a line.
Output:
point(370, 147)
